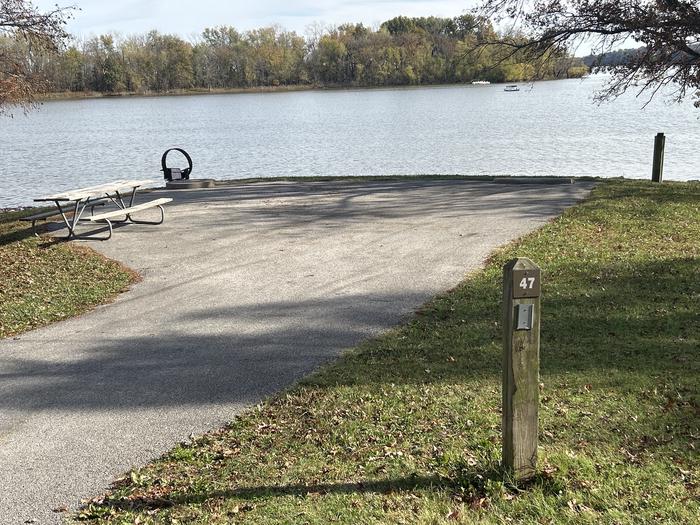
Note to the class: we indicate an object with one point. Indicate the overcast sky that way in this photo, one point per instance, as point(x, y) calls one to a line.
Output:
point(190, 17)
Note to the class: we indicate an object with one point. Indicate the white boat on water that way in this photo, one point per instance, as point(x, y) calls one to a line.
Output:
point(480, 83)
point(511, 87)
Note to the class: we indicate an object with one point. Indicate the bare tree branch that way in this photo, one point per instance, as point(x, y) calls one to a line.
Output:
point(667, 31)
point(23, 32)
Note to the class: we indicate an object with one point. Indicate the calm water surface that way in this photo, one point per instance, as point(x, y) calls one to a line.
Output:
point(549, 128)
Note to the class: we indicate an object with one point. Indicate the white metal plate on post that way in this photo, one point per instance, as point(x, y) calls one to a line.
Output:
point(523, 316)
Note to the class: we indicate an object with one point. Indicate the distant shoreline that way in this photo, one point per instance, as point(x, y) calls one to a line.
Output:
point(79, 95)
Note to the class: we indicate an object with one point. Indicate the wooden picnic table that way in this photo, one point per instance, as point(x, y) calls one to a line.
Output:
point(120, 193)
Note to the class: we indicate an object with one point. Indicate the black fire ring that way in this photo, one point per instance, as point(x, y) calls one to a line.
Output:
point(168, 172)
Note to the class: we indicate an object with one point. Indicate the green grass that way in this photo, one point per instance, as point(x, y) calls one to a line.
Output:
point(406, 428)
point(43, 281)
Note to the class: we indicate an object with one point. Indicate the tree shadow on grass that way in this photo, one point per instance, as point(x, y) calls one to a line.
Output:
point(673, 193)
point(12, 230)
point(262, 492)
point(640, 318)
point(464, 483)
point(11, 234)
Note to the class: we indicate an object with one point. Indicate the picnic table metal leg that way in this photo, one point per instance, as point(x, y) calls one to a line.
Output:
point(109, 235)
point(93, 237)
point(36, 234)
point(118, 200)
point(69, 224)
point(133, 194)
point(162, 218)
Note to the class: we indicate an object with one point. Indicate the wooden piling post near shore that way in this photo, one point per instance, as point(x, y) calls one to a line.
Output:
point(521, 364)
point(657, 170)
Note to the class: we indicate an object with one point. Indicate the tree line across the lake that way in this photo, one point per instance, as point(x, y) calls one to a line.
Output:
point(402, 51)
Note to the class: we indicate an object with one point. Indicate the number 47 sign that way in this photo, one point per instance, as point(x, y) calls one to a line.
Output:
point(526, 283)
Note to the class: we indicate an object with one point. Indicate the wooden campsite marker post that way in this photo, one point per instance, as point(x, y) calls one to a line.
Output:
point(657, 169)
point(521, 366)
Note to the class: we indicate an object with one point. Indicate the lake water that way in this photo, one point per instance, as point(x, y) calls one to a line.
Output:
point(548, 128)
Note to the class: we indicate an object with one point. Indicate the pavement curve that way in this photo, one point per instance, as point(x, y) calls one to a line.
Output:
point(246, 288)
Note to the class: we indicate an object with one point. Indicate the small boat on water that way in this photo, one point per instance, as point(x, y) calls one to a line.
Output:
point(480, 83)
point(511, 87)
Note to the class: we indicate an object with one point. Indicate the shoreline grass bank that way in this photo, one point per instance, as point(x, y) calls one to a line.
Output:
point(79, 95)
point(406, 428)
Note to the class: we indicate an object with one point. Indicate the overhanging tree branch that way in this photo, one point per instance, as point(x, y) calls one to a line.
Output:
point(667, 31)
point(24, 31)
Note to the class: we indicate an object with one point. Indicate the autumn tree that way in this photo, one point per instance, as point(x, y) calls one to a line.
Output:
point(424, 50)
point(25, 32)
point(222, 59)
point(666, 31)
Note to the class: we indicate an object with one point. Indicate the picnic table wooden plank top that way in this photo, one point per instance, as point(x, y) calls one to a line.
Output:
point(93, 191)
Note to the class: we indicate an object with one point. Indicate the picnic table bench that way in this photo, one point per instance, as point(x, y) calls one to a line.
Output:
point(120, 193)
